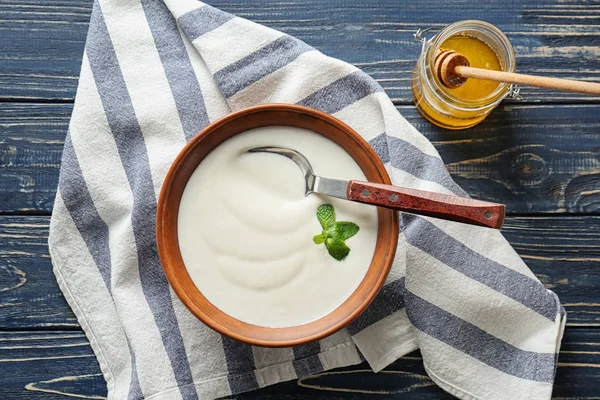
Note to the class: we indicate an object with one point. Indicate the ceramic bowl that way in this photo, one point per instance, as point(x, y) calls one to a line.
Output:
point(168, 207)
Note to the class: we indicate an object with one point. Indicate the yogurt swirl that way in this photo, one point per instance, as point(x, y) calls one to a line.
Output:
point(245, 230)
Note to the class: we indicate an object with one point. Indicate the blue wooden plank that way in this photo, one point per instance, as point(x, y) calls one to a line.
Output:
point(29, 294)
point(41, 46)
point(54, 364)
point(41, 43)
point(47, 365)
point(533, 158)
point(31, 141)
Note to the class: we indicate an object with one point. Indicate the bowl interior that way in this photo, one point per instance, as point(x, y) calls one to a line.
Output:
point(168, 207)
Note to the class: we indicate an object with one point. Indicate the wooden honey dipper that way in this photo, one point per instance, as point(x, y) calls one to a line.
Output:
point(453, 69)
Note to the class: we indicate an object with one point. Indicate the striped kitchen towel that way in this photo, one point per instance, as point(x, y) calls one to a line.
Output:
point(154, 73)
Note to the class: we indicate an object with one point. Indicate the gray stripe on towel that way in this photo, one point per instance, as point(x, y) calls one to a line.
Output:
point(407, 157)
point(342, 92)
point(477, 343)
point(79, 203)
point(389, 300)
point(202, 20)
point(240, 365)
point(432, 240)
point(306, 359)
point(380, 145)
point(259, 64)
point(178, 68)
point(132, 150)
point(94, 232)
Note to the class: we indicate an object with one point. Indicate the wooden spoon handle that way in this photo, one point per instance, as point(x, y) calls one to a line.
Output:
point(566, 85)
point(449, 207)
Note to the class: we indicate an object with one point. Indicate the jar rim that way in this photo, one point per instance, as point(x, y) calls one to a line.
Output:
point(427, 60)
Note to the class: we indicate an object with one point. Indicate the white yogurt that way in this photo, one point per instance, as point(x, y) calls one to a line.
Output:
point(245, 230)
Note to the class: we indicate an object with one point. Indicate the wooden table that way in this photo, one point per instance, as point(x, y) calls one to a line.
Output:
point(541, 157)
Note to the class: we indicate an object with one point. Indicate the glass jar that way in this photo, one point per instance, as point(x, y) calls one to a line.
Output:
point(436, 102)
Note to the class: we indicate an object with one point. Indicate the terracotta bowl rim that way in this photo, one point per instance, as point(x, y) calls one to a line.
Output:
point(166, 247)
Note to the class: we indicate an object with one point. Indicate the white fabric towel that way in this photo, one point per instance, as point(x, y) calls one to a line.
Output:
point(155, 73)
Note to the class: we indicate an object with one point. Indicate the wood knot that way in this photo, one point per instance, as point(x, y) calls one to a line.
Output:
point(530, 168)
point(11, 278)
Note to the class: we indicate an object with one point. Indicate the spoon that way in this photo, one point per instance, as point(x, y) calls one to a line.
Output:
point(453, 69)
point(444, 206)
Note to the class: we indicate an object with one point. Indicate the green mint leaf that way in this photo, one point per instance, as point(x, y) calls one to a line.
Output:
point(345, 230)
point(342, 230)
point(334, 233)
point(326, 215)
point(337, 248)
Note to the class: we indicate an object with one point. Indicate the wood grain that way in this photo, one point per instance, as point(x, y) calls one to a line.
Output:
point(564, 252)
point(48, 365)
point(31, 141)
point(432, 204)
point(533, 158)
point(54, 364)
point(41, 44)
point(29, 294)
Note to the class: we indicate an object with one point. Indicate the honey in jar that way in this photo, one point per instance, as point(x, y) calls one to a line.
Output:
point(480, 55)
point(485, 46)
